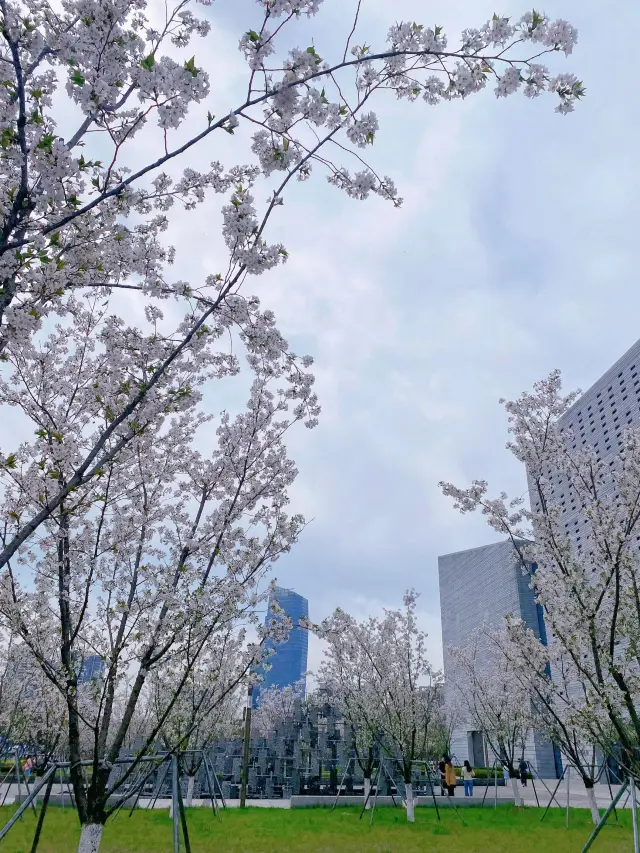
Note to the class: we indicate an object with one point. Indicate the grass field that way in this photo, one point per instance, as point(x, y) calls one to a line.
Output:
point(505, 830)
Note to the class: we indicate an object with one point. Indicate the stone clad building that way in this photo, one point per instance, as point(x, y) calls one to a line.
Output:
point(483, 585)
point(480, 587)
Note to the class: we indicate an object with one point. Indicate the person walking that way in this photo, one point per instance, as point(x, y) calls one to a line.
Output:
point(505, 773)
point(442, 769)
point(450, 777)
point(523, 767)
point(467, 775)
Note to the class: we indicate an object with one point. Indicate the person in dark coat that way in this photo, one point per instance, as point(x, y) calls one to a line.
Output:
point(442, 768)
point(523, 767)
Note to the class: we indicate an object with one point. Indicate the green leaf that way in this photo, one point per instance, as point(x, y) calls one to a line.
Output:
point(7, 138)
point(438, 30)
point(210, 118)
point(148, 62)
point(10, 461)
point(46, 142)
point(78, 78)
point(54, 239)
point(253, 35)
point(191, 66)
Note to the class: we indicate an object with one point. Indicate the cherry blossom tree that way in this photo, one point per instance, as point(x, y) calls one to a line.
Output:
point(32, 711)
point(208, 703)
point(152, 560)
point(276, 705)
point(558, 699)
point(588, 588)
point(343, 674)
point(403, 693)
point(493, 701)
point(10, 687)
point(89, 83)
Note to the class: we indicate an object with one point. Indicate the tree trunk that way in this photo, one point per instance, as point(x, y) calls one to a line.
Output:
point(190, 784)
point(90, 837)
point(367, 790)
point(593, 806)
point(410, 803)
point(516, 791)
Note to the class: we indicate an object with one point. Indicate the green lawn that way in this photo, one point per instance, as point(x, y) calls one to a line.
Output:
point(257, 830)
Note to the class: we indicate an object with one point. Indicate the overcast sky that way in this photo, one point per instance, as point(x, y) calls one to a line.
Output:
point(515, 252)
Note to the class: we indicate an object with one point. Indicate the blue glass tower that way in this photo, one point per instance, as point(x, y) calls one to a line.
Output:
point(91, 669)
point(289, 662)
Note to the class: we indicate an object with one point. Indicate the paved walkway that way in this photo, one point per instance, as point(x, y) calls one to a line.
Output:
point(577, 796)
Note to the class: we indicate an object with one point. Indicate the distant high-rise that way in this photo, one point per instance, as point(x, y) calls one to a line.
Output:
point(598, 419)
point(289, 661)
point(91, 669)
point(480, 587)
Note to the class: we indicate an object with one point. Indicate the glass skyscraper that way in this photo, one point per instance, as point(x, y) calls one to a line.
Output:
point(91, 669)
point(289, 661)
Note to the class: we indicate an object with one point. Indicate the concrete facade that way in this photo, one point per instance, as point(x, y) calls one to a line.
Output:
point(597, 419)
point(480, 587)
